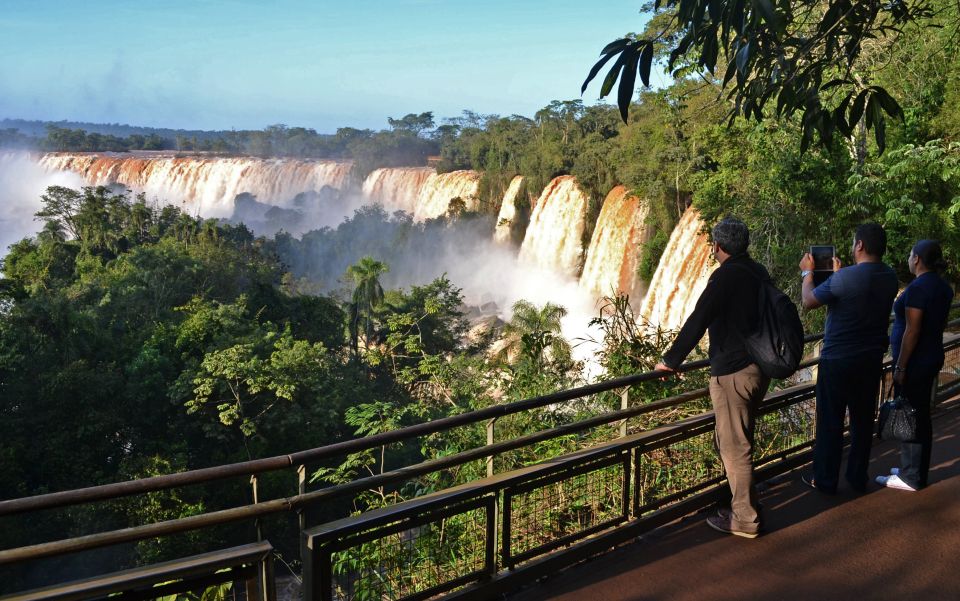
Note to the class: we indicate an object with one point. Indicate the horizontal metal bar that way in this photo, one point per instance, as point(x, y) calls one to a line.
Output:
point(446, 586)
point(113, 537)
point(567, 539)
point(144, 485)
point(188, 567)
point(342, 539)
point(565, 473)
point(185, 586)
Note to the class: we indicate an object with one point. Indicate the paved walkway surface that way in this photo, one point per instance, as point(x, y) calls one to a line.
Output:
point(885, 544)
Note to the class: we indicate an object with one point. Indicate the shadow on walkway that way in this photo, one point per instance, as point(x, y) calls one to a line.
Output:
point(885, 544)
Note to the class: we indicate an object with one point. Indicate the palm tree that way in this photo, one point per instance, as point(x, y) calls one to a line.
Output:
point(367, 295)
point(534, 332)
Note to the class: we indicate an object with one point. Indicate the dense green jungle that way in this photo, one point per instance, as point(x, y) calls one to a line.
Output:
point(138, 340)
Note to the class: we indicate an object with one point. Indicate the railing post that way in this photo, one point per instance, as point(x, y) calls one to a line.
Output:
point(628, 476)
point(493, 529)
point(624, 404)
point(268, 589)
point(302, 489)
point(256, 499)
point(491, 434)
point(263, 592)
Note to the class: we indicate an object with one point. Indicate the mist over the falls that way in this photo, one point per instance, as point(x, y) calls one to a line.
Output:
point(22, 182)
point(490, 274)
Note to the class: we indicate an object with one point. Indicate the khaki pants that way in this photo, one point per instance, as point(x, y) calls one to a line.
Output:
point(736, 398)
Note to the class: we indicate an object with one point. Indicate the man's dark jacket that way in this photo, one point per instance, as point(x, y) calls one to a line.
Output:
point(728, 308)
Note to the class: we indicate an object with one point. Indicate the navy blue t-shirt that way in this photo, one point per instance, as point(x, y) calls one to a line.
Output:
point(933, 296)
point(858, 300)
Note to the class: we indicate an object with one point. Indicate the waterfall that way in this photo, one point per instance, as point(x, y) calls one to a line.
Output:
point(554, 236)
point(508, 211)
point(614, 251)
point(208, 185)
point(396, 188)
point(685, 267)
point(440, 188)
point(420, 191)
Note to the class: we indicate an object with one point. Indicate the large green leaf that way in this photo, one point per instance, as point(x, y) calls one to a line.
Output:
point(613, 73)
point(766, 11)
point(596, 69)
point(626, 90)
point(646, 61)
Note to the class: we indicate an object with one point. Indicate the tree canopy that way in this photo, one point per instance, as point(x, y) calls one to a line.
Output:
point(814, 58)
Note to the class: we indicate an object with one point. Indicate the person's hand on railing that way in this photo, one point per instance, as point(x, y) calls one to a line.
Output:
point(663, 367)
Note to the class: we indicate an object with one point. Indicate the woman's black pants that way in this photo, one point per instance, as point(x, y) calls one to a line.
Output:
point(915, 455)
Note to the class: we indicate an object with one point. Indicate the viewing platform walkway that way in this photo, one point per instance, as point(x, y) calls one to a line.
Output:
point(885, 544)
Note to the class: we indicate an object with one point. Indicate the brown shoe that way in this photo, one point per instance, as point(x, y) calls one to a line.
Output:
point(723, 522)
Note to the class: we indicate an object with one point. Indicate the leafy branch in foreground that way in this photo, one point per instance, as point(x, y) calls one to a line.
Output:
point(801, 53)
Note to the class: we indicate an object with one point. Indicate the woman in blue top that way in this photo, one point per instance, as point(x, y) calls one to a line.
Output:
point(920, 316)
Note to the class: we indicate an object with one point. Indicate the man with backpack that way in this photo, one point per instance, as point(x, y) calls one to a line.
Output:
point(858, 299)
point(730, 308)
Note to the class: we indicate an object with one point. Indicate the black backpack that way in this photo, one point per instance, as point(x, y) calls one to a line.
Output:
point(776, 346)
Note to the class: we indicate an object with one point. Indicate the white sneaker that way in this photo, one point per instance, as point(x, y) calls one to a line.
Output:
point(895, 482)
point(895, 471)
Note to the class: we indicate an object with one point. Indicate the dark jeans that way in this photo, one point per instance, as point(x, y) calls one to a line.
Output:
point(848, 383)
point(915, 455)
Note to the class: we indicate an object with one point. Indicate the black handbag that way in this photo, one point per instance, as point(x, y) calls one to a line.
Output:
point(897, 420)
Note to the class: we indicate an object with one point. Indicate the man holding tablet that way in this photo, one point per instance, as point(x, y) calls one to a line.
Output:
point(858, 300)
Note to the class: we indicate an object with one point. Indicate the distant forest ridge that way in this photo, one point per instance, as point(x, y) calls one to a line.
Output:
point(408, 142)
point(38, 129)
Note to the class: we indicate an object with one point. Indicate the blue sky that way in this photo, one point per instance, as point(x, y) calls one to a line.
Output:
point(217, 64)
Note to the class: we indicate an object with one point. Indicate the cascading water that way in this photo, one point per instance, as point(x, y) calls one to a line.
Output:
point(207, 186)
point(554, 236)
point(396, 188)
point(614, 252)
point(440, 188)
point(685, 267)
point(553, 241)
point(420, 191)
point(508, 211)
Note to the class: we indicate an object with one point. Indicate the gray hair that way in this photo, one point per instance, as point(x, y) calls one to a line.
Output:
point(732, 235)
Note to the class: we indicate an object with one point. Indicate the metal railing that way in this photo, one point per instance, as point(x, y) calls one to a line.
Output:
point(492, 530)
